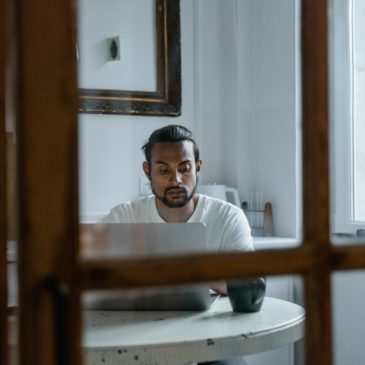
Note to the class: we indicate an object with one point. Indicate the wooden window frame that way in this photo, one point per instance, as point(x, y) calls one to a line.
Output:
point(47, 148)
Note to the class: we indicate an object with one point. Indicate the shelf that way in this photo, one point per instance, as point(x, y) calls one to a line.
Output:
point(262, 243)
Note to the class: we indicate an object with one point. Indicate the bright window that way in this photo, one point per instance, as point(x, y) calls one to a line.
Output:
point(347, 115)
point(358, 108)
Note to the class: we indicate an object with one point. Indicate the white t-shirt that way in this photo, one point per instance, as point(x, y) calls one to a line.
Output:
point(226, 225)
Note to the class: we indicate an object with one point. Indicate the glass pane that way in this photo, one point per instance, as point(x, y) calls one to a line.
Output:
point(240, 85)
point(12, 305)
point(290, 289)
point(12, 259)
point(11, 222)
point(141, 240)
point(348, 320)
point(187, 332)
point(240, 99)
point(346, 120)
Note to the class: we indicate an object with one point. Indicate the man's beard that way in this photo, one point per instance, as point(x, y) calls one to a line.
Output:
point(185, 198)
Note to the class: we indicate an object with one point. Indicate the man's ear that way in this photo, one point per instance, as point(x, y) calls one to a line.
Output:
point(198, 166)
point(146, 169)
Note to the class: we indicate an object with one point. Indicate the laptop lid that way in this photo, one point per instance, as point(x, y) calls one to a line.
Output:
point(195, 297)
point(131, 240)
point(145, 240)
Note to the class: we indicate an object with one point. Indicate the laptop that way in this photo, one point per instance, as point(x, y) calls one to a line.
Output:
point(141, 240)
point(146, 240)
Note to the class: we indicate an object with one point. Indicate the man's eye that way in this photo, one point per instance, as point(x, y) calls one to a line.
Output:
point(163, 171)
point(185, 169)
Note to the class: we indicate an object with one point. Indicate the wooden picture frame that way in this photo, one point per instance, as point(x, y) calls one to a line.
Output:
point(166, 99)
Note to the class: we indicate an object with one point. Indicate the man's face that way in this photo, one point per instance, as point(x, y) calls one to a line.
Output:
point(173, 173)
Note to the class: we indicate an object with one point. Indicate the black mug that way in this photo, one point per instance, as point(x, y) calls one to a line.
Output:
point(246, 295)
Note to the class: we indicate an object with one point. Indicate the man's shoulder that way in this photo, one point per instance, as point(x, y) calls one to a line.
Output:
point(138, 203)
point(215, 204)
point(133, 211)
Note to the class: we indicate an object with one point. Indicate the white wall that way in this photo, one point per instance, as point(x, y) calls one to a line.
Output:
point(136, 64)
point(110, 155)
point(348, 287)
point(348, 317)
point(272, 110)
point(239, 92)
point(217, 89)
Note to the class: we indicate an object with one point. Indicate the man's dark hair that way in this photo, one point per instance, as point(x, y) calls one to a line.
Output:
point(169, 134)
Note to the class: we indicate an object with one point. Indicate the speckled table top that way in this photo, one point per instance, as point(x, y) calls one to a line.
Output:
point(122, 337)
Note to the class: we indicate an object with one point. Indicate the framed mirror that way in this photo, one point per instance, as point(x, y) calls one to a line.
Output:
point(162, 97)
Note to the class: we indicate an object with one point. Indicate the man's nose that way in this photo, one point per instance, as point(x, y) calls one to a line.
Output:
point(175, 177)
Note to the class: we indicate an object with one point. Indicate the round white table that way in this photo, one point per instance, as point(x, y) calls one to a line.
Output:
point(175, 338)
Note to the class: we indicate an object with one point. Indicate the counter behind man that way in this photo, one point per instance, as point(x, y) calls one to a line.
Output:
point(173, 166)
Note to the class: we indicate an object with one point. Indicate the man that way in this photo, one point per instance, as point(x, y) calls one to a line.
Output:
point(173, 167)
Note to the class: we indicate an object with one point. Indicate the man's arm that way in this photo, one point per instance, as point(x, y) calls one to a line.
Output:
point(219, 286)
